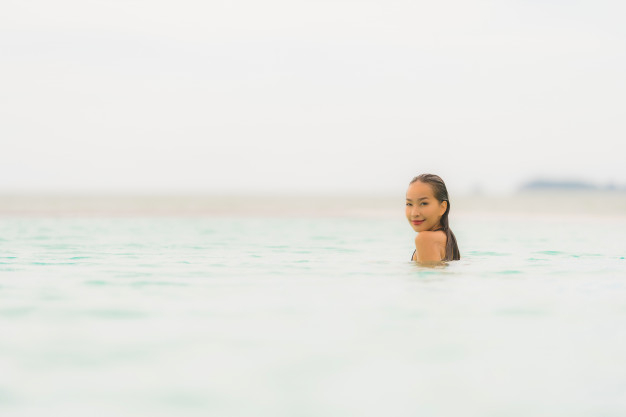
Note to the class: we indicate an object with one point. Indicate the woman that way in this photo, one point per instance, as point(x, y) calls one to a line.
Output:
point(427, 208)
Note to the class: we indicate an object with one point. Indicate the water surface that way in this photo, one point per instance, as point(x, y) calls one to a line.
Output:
point(312, 316)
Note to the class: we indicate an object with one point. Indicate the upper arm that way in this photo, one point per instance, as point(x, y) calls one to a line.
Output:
point(429, 246)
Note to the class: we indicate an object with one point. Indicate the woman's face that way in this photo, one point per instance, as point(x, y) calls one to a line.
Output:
point(423, 210)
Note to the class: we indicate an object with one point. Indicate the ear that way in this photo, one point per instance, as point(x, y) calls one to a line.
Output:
point(443, 207)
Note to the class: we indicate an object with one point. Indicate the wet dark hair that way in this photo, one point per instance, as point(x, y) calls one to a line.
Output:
point(441, 193)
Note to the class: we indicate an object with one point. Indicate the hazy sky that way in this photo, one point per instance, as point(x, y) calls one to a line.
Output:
point(321, 96)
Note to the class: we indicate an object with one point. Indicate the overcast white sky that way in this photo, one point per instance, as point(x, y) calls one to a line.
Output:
point(309, 96)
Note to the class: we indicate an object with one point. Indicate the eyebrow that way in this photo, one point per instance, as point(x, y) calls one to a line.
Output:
point(421, 198)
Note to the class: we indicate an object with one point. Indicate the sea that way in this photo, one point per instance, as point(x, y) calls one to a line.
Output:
point(297, 306)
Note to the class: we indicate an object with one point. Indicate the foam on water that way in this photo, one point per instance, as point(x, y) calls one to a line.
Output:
point(230, 316)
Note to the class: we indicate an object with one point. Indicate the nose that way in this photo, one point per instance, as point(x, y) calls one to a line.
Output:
point(415, 211)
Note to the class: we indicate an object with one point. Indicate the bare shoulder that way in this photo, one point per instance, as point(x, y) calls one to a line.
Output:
point(430, 246)
point(429, 237)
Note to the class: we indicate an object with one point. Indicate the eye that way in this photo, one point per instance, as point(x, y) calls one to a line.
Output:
point(408, 204)
point(424, 204)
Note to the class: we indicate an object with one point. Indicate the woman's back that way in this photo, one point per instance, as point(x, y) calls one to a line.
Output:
point(430, 246)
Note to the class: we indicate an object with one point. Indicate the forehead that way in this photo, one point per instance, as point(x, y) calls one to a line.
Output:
point(419, 189)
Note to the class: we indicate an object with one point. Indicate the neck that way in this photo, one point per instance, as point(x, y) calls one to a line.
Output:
point(437, 227)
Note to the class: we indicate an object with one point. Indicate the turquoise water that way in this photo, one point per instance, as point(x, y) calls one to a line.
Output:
point(226, 316)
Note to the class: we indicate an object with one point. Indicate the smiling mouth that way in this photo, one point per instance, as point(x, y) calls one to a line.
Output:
point(418, 221)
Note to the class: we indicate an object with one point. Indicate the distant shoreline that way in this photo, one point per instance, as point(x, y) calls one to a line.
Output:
point(548, 185)
point(529, 202)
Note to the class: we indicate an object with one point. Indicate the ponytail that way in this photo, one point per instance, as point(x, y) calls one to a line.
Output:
point(452, 249)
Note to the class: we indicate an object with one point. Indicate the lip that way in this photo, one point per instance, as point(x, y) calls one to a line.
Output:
point(417, 222)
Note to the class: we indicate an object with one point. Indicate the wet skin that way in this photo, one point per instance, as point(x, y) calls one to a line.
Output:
point(424, 211)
